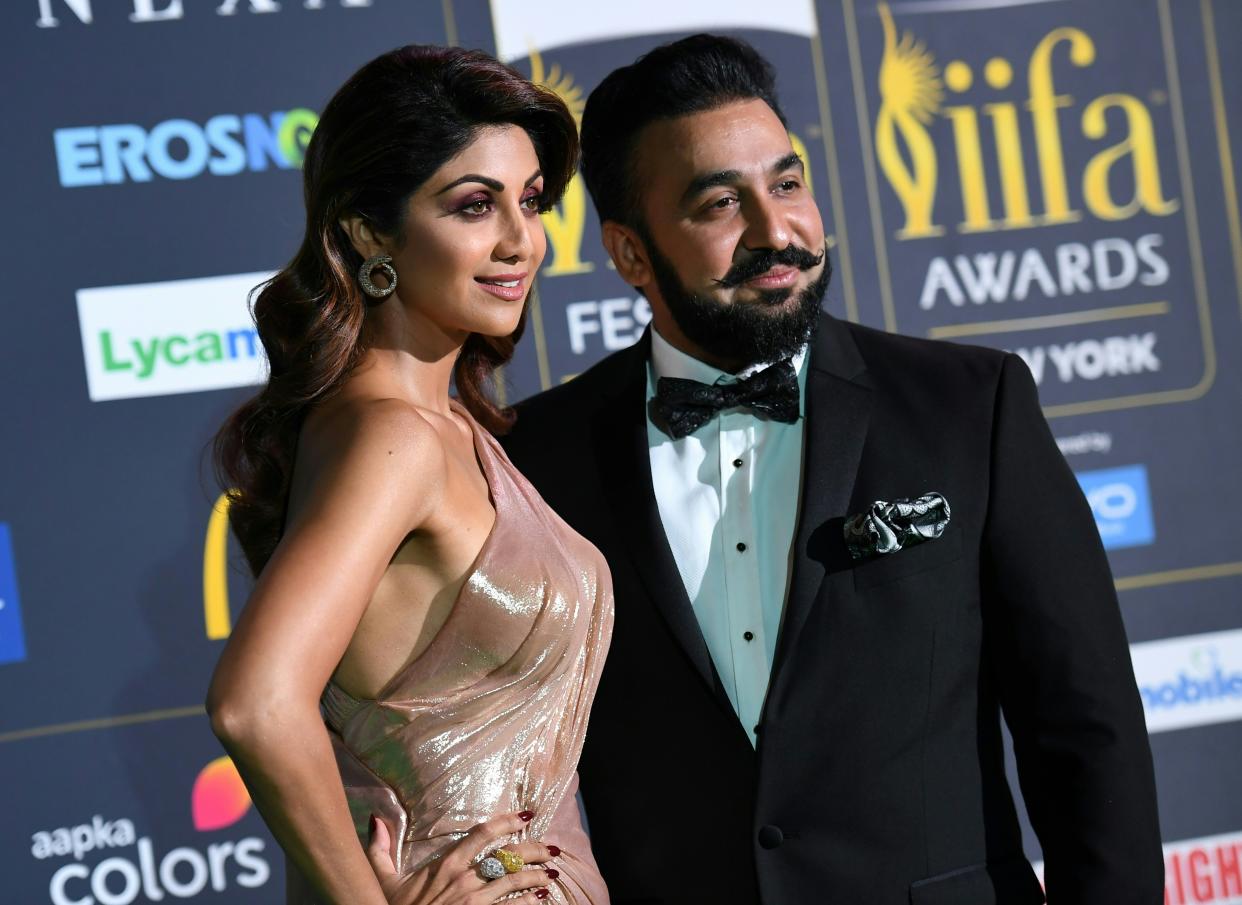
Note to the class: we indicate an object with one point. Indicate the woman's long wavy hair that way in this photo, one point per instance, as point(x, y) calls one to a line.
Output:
point(384, 133)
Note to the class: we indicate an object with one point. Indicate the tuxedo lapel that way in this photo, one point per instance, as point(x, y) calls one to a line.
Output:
point(619, 433)
point(838, 409)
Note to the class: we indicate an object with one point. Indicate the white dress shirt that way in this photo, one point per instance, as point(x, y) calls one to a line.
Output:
point(728, 498)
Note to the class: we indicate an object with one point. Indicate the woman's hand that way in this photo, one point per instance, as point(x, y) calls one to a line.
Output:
point(455, 879)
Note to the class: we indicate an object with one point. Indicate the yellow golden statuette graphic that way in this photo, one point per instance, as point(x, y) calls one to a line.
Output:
point(566, 222)
point(911, 93)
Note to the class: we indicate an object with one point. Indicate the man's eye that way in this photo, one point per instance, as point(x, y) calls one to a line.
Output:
point(789, 185)
point(722, 203)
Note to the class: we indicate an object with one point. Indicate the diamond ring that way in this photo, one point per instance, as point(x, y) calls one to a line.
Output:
point(491, 869)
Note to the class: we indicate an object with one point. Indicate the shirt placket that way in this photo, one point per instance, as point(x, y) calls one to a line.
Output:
point(740, 557)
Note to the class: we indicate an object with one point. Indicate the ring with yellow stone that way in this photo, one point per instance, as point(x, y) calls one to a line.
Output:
point(512, 861)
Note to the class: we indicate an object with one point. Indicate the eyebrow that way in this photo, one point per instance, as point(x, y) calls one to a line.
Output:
point(700, 184)
point(494, 184)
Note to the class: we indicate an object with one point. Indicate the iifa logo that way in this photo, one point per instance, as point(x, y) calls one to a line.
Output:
point(181, 149)
point(182, 336)
point(1121, 503)
point(219, 800)
point(1190, 681)
point(913, 111)
point(12, 639)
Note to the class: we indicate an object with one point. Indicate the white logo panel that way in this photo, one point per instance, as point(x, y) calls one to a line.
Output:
point(1190, 681)
point(562, 22)
point(179, 336)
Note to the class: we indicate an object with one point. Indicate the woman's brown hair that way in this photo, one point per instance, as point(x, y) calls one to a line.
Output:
point(384, 133)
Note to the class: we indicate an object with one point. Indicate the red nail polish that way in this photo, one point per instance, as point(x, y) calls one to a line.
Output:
point(527, 816)
point(553, 851)
point(541, 893)
point(552, 873)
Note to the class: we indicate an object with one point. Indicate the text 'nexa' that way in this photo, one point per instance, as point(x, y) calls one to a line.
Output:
point(919, 138)
point(172, 10)
point(181, 149)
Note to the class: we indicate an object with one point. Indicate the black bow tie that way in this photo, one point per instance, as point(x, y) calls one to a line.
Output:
point(686, 405)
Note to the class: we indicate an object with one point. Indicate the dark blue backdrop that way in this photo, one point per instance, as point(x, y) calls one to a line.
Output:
point(1054, 177)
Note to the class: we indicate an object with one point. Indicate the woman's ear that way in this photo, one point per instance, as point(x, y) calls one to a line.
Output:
point(363, 237)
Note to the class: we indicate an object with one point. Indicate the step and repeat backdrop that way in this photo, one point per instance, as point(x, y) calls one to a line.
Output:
point(1053, 177)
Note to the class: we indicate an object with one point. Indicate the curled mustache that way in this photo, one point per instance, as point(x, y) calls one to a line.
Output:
point(762, 261)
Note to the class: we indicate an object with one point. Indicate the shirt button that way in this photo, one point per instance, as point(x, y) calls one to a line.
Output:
point(749, 636)
point(741, 547)
point(738, 463)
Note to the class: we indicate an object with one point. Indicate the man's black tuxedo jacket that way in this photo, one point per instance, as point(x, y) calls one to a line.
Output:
point(878, 777)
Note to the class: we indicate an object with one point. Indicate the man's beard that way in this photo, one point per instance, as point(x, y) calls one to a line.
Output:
point(752, 332)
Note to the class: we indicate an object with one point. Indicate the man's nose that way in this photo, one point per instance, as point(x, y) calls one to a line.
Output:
point(767, 225)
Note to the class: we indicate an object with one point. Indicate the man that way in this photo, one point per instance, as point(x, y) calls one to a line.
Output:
point(779, 721)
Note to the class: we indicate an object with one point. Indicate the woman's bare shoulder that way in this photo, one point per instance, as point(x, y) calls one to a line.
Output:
point(381, 451)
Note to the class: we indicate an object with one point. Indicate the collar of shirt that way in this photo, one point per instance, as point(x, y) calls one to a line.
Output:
point(668, 361)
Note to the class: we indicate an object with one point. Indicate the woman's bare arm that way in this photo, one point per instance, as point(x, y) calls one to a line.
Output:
point(375, 477)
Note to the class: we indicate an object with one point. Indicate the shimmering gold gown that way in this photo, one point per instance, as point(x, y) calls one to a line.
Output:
point(490, 718)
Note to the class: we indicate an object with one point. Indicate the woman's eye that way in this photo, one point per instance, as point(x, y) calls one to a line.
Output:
point(477, 207)
point(532, 203)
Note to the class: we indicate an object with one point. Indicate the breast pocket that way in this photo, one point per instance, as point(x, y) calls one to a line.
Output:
point(889, 567)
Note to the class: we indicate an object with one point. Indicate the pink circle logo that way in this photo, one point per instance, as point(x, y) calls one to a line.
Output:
point(219, 798)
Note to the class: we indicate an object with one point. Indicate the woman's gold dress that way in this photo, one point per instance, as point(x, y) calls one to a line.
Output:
point(490, 718)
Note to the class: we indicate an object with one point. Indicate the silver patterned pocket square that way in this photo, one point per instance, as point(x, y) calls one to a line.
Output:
point(889, 527)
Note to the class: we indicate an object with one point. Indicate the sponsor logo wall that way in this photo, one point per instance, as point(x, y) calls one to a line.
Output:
point(1058, 179)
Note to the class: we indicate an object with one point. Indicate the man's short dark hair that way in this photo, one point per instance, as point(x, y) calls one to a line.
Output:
point(698, 73)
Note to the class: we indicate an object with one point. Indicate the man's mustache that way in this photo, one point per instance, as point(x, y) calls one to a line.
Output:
point(762, 261)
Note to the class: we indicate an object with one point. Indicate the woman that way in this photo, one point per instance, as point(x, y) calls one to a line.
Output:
point(412, 590)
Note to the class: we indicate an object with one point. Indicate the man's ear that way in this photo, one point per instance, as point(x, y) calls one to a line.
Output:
point(628, 253)
point(363, 237)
